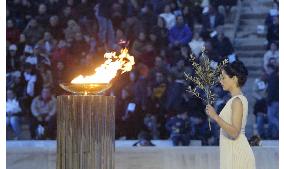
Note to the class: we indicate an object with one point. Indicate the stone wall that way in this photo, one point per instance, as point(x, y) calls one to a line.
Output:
point(42, 155)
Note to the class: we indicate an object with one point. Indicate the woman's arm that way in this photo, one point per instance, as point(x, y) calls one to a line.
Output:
point(237, 115)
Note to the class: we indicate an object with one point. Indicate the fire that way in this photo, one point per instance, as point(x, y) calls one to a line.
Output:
point(107, 71)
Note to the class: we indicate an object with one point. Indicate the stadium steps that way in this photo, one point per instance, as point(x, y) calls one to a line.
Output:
point(250, 46)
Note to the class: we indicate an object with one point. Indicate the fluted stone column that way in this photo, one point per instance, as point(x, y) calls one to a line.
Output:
point(85, 132)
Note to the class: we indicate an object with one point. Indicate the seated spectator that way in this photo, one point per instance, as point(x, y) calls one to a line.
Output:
point(42, 55)
point(147, 17)
point(46, 76)
point(141, 88)
point(179, 69)
point(227, 4)
point(176, 8)
point(33, 32)
point(222, 44)
point(44, 113)
point(17, 84)
point(161, 32)
point(117, 16)
point(148, 56)
point(47, 43)
point(160, 66)
point(177, 86)
point(271, 53)
point(79, 47)
point(273, 101)
point(84, 10)
point(120, 40)
point(150, 121)
point(60, 75)
point(159, 90)
point(53, 6)
point(106, 31)
point(132, 27)
point(169, 17)
point(12, 32)
point(211, 52)
point(210, 20)
point(196, 44)
point(273, 31)
point(55, 28)
point(61, 53)
point(125, 108)
point(199, 122)
point(144, 139)
point(129, 109)
point(21, 44)
point(71, 29)
point(30, 56)
point(66, 15)
point(28, 9)
point(32, 80)
point(180, 34)
point(13, 113)
point(153, 40)
point(43, 16)
point(273, 12)
point(260, 106)
point(13, 59)
point(139, 46)
point(179, 129)
point(188, 16)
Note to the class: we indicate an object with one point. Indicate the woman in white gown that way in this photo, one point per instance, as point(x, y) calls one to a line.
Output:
point(235, 151)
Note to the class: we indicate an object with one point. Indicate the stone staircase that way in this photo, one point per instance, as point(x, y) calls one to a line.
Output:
point(250, 46)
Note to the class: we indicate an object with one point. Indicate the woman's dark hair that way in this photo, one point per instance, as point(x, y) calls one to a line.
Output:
point(238, 69)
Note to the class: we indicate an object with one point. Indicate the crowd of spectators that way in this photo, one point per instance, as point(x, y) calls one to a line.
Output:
point(53, 41)
point(266, 87)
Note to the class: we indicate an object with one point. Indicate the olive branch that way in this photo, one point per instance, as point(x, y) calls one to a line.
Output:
point(206, 78)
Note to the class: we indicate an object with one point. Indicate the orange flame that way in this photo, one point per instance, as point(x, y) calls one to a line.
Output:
point(107, 71)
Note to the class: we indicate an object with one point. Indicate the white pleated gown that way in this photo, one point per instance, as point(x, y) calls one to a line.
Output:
point(235, 153)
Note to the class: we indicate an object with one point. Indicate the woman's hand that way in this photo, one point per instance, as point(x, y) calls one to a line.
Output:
point(211, 112)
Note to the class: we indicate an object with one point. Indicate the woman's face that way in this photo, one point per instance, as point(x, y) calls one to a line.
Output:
point(227, 82)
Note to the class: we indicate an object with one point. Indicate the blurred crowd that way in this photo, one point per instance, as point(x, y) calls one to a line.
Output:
point(53, 41)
